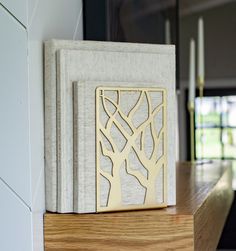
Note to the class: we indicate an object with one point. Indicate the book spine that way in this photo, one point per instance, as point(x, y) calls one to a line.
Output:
point(50, 127)
point(76, 145)
point(64, 123)
point(84, 151)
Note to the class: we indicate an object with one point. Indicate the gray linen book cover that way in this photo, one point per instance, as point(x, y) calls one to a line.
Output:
point(158, 66)
point(119, 146)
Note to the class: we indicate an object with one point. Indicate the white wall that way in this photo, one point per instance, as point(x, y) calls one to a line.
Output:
point(23, 26)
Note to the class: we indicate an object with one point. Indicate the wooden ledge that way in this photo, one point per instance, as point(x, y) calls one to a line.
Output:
point(204, 197)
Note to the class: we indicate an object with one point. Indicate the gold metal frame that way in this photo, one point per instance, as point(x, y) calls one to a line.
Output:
point(152, 164)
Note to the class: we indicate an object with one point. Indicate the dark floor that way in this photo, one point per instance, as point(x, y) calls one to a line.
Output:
point(228, 238)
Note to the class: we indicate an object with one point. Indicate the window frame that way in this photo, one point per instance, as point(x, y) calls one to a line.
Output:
point(211, 92)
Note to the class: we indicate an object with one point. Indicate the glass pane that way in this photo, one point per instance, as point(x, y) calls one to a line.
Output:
point(229, 140)
point(224, 109)
point(208, 143)
point(141, 21)
point(229, 110)
point(208, 112)
point(234, 175)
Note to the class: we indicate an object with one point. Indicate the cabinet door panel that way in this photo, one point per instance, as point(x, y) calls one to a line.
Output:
point(14, 105)
point(17, 8)
point(15, 218)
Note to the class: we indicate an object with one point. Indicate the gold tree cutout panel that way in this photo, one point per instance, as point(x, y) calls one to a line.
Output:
point(130, 148)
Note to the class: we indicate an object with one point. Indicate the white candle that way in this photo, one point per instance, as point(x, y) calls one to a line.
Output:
point(167, 32)
point(201, 63)
point(192, 72)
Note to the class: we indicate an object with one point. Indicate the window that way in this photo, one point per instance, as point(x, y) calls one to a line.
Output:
point(215, 128)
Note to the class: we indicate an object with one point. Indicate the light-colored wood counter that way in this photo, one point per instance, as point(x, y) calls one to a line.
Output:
point(204, 197)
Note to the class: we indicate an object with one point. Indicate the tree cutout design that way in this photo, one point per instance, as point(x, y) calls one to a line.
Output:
point(109, 115)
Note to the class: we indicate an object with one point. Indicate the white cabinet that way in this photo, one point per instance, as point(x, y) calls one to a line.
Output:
point(15, 222)
point(17, 8)
point(47, 19)
point(14, 107)
point(21, 112)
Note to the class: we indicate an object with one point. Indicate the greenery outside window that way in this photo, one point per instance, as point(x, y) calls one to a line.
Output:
point(215, 128)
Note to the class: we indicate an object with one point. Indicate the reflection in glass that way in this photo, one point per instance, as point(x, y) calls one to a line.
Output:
point(141, 21)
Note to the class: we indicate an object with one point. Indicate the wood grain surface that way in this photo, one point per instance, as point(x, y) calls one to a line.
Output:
point(204, 197)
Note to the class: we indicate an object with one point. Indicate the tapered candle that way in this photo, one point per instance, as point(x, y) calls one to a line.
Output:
point(167, 32)
point(192, 73)
point(201, 55)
